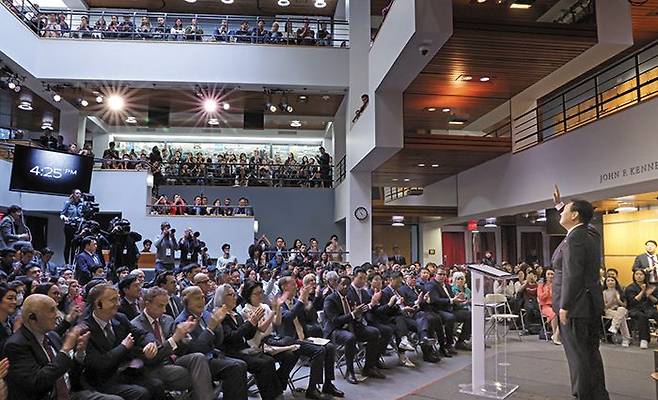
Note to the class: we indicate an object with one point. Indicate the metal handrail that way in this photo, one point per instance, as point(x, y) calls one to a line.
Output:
point(627, 87)
point(211, 210)
point(207, 29)
point(340, 171)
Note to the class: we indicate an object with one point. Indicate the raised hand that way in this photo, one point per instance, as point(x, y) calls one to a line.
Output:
point(83, 340)
point(556, 196)
point(376, 297)
point(71, 338)
point(128, 342)
point(150, 350)
point(184, 328)
point(4, 367)
point(218, 315)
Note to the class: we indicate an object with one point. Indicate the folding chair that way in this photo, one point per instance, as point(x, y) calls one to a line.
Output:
point(497, 312)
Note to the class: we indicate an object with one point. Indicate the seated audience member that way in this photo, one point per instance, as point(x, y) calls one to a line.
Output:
point(40, 362)
point(306, 35)
point(237, 332)
point(334, 249)
point(289, 37)
point(528, 300)
point(244, 208)
point(387, 313)
point(206, 285)
point(226, 258)
point(52, 29)
point(178, 368)
point(344, 326)
point(126, 28)
point(130, 290)
point(178, 206)
point(166, 280)
point(161, 31)
point(263, 341)
point(13, 231)
point(221, 33)
point(194, 31)
point(122, 272)
point(299, 321)
point(86, 259)
point(198, 208)
point(615, 309)
point(33, 271)
point(99, 28)
point(641, 302)
point(545, 297)
point(274, 35)
point(47, 265)
point(165, 248)
point(242, 35)
point(114, 363)
point(227, 209)
point(259, 33)
point(113, 28)
point(442, 303)
point(324, 36)
point(25, 256)
point(207, 338)
point(84, 30)
point(97, 272)
point(459, 287)
point(7, 260)
point(8, 304)
point(177, 31)
point(63, 25)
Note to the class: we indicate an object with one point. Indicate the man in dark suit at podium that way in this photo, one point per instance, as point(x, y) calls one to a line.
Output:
point(578, 299)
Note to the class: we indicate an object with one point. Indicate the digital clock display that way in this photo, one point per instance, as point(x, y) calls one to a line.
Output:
point(50, 172)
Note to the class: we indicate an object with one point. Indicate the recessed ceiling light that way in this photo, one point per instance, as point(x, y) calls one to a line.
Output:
point(57, 97)
point(485, 79)
point(296, 124)
point(431, 109)
point(435, 165)
point(445, 110)
point(99, 99)
point(397, 224)
point(226, 1)
point(47, 125)
point(320, 4)
point(283, 3)
point(191, 1)
point(210, 105)
point(115, 102)
point(482, 1)
point(456, 122)
point(421, 165)
point(406, 179)
point(302, 97)
point(25, 105)
point(213, 122)
point(326, 97)
point(395, 179)
point(131, 120)
point(520, 5)
point(466, 78)
point(226, 106)
point(84, 103)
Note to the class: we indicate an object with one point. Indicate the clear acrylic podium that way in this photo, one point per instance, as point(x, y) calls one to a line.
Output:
point(498, 387)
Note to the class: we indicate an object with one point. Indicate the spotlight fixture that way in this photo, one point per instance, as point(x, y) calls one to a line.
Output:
point(326, 97)
point(485, 79)
point(285, 106)
point(17, 88)
point(283, 3)
point(397, 218)
point(302, 98)
point(57, 98)
point(47, 125)
point(11, 85)
point(213, 122)
point(99, 99)
point(115, 102)
point(25, 105)
point(271, 107)
point(226, 106)
point(14, 82)
point(296, 123)
point(445, 110)
point(430, 109)
point(541, 216)
point(625, 208)
point(320, 4)
point(84, 103)
point(210, 106)
point(131, 120)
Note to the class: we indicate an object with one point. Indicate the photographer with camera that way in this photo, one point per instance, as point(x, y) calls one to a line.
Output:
point(72, 216)
point(166, 245)
point(123, 247)
point(190, 247)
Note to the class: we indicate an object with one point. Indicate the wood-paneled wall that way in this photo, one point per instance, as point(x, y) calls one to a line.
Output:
point(624, 236)
point(388, 236)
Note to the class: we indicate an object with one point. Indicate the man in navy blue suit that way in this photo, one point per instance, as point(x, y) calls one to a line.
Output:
point(86, 259)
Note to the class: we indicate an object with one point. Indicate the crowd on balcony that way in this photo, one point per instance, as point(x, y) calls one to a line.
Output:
point(177, 205)
point(175, 167)
point(53, 25)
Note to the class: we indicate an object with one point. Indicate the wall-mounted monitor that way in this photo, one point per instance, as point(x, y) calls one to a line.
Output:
point(37, 170)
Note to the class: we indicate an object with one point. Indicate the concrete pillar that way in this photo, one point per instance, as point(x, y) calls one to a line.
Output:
point(431, 239)
point(358, 234)
point(72, 125)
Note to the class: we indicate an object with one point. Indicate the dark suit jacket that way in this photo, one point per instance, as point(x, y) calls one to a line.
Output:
point(398, 260)
point(384, 311)
point(83, 264)
point(334, 315)
point(5, 333)
point(127, 309)
point(104, 357)
point(576, 262)
point(410, 294)
point(439, 298)
point(31, 374)
point(236, 333)
point(641, 262)
point(203, 340)
point(179, 305)
point(164, 349)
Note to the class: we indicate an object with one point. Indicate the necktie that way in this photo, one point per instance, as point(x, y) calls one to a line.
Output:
point(174, 309)
point(156, 332)
point(346, 306)
point(61, 387)
point(298, 326)
point(652, 260)
point(109, 333)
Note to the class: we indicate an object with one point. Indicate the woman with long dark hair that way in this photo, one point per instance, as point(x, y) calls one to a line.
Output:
point(615, 309)
point(641, 301)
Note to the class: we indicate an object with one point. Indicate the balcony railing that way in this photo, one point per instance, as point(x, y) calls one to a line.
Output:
point(339, 172)
point(157, 26)
point(632, 80)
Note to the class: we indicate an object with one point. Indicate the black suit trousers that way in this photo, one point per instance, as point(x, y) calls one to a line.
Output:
point(580, 338)
point(450, 319)
point(264, 369)
point(233, 374)
point(323, 358)
point(641, 317)
point(362, 333)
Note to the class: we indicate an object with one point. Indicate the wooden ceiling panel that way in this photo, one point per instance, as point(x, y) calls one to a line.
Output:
point(645, 22)
point(240, 7)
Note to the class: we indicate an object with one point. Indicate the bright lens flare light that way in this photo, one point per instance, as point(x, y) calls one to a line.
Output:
point(210, 106)
point(115, 102)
